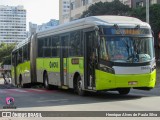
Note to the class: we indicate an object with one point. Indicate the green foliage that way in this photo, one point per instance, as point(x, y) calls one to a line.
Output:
point(107, 8)
point(154, 11)
point(5, 53)
point(117, 8)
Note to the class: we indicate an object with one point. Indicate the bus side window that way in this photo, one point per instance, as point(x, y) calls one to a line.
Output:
point(25, 52)
point(28, 53)
point(40, 47)
point(47, 47)
point(75, 44)
point(55, 47)
point(20, 59)
point(13, 59)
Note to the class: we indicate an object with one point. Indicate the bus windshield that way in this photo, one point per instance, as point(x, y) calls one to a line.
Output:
point(126, 49)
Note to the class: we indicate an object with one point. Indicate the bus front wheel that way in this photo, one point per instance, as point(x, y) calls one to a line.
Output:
point(124, 91)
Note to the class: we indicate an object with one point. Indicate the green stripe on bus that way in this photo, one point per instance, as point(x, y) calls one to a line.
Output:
point(53, 64)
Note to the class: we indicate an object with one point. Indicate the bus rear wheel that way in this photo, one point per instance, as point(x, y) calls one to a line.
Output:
point(123, 91)
point(45, 80)
point(79, 89)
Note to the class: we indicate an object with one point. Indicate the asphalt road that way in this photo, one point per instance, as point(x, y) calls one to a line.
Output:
point(30, 99)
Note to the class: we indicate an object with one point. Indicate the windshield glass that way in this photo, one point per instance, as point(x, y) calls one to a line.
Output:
point(126, 49)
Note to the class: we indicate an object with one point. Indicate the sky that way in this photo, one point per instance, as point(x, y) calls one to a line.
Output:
point(38, 11)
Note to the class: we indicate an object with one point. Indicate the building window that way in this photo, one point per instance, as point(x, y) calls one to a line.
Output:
point(153, 2)
point(140, 4)
point(72, 5)
point(84, 2)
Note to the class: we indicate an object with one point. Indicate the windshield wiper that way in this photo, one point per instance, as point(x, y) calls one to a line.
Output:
point(117, 28)
point(123, 38)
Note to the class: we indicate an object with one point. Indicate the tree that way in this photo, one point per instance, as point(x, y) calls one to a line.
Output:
point(107, 8)
point(154, 11)
point(5, 53)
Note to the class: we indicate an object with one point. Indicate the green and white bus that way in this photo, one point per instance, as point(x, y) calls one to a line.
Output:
point(96, 53)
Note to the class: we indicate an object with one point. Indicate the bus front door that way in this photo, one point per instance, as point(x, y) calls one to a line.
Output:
point(64, 60)
point(90, 60)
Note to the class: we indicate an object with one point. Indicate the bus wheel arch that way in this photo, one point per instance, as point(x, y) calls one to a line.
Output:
point(45, 79)
point(77, 81)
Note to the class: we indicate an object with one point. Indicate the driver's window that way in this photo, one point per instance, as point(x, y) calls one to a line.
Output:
point(103, 49)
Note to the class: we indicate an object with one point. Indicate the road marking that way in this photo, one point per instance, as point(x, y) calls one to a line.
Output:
point(39, 91)
point(2, 91)
point(19, 91)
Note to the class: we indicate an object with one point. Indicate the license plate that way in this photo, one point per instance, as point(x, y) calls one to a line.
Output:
point(132, 83)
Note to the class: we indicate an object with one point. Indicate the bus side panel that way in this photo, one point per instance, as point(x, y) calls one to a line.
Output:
point(104, 80)
point(52, 66)
point(76, 64)
point(24, 70)
point(26, 75)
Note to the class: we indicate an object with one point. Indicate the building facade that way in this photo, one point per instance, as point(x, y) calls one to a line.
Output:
point(12, 24)
point(33, 28)
point(64, 11)
point(47, 25)
point(142, 3)
point(77, 7)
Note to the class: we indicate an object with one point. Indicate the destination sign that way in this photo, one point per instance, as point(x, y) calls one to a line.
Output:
point(127, 31)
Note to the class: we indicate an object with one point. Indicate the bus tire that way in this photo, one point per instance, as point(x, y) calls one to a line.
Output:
point(124, 91)
point(79, 89)
point(45, 81)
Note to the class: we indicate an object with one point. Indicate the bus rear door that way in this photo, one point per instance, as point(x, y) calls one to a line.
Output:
point(63, 60)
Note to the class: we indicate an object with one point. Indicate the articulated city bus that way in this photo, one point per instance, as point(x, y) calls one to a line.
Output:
point(97, 53)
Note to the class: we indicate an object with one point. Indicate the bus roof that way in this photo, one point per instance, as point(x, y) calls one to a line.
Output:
point(27, 40)
point(92, 21)
point(87, 22)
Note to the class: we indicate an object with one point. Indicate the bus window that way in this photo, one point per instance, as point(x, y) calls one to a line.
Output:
point(75, 44)
point(40, 47)
point(103, 49)
point(20, 59)
point(13, 58)
point(55, 47)
point(47, 47)
point(28, 53)
point(25, 52)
